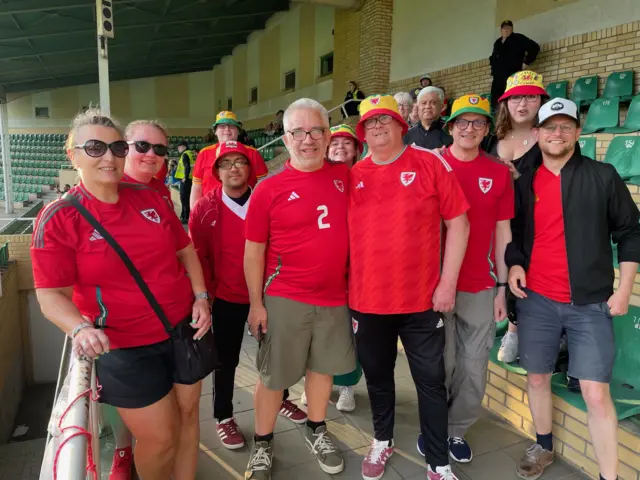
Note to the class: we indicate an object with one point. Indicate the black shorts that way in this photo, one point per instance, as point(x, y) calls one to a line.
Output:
point(136, 377)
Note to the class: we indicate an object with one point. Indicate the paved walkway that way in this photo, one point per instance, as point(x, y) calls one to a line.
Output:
point(497, 447)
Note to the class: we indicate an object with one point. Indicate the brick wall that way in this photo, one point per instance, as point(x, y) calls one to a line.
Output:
point(346, 52)
point(19, 251)
point(599, 52)
point(506, 396)
point(375, 45)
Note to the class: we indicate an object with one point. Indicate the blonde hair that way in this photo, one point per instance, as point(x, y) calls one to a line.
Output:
point(91, 116)
point(139, 123)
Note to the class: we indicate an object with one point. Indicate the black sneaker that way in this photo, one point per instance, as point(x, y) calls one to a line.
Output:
point(260, 461)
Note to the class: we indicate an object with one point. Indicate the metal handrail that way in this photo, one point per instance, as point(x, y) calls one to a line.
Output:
point(341, 106)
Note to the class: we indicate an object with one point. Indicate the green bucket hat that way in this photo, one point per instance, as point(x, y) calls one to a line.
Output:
point(470, 104)
point(228, 118)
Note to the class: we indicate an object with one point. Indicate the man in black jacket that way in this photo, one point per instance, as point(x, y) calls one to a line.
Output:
point(429, 131)
point(512, 52)
point(561, 269)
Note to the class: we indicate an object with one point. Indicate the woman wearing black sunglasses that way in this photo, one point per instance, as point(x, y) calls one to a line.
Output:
point(148, 146)
point(85, 289)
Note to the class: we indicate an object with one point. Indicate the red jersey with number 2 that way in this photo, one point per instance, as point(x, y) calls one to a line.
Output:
point(302, 217)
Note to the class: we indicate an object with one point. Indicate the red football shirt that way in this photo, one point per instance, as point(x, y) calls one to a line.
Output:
point(203, 169)
point(157, 185)
point(302, 217)
point(488, 187)
point(216, 226)
point(548, 272)
point(395, 213)
point(67, 251)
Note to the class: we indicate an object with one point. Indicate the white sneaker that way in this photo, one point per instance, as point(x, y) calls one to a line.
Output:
point(303, 398)
point(509, 348)
point(347, 401)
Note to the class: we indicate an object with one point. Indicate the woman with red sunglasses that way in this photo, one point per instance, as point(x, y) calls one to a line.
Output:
point(85, 289)
point(148, 146)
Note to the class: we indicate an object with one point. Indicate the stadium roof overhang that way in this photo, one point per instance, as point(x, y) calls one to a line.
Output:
point(47, 44)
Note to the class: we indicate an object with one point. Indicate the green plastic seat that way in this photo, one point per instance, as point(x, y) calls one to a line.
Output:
point(624, 154)
point(619, 84)
point(634, 180)
point(585, 90)
point(632, 122)
point(558, 89)
point(588, 146)
point(603, 113)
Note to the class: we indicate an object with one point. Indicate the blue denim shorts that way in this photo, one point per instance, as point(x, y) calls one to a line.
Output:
point(589, 329)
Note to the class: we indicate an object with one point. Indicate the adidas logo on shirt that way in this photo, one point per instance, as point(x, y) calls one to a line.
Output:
point(360, 185)
point(440, 324)
point(95, 236)
point(293, 196)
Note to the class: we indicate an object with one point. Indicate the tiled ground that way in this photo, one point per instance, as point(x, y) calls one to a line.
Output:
point(496, 446)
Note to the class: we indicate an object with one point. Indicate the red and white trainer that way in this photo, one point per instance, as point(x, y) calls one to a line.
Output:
point(122, 464)
point(376, 459)
point(291, 411)
point(441, 473)
point(230, 435)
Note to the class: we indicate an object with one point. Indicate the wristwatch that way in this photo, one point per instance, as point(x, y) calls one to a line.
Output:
point(203, 296)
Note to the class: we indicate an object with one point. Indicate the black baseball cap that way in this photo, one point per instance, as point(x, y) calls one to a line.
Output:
point(506, 23)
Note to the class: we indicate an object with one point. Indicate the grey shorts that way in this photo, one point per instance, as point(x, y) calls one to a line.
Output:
point(589, 328)
point(303, 337)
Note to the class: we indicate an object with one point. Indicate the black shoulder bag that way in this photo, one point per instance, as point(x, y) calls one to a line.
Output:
point(193, 359)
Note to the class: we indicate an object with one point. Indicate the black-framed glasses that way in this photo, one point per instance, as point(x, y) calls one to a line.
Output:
point(314, 133)
point(527, 98)
point(97, 148)
point(463, 124)
point(143, 147)
point(371, 123)
point(228, 164)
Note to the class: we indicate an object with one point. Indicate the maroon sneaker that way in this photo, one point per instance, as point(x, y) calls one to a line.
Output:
point(376, 459)
point(122, 464)
point(292, 412)
point(230, 436)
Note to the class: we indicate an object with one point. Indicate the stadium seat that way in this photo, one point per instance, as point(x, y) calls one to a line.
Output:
point(588, 147)
point(558, 89)
point(632, 122)
point(619, 84)
point(603, 113)
point(624, 154)
point(585, 90)
point(634, 180)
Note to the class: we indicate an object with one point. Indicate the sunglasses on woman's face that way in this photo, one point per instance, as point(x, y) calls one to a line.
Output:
point(143, 147)
point(97, 148)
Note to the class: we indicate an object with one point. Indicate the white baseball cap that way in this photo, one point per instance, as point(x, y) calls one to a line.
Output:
point(426, 76)
point(558, 106)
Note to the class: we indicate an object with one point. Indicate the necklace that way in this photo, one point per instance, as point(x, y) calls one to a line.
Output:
point(525, 142)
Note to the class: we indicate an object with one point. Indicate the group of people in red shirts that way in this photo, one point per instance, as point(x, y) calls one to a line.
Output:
point(330, 261)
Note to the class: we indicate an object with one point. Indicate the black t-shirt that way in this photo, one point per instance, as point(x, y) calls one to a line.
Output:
point(435, 137)
point(242, 199)
point(524, 164)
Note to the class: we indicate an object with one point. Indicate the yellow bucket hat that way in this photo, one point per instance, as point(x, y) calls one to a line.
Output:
point(379, 105)
point(524, 83)
point(226, 117)
point(348, 132)
point(472, 103)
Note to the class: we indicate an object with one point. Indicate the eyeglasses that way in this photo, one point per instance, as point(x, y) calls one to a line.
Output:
point(527, 98)
point(97, 148)
point(564, 128)
point(314, 133)
point(372, 123)
point(463, 124)
point(143, 147)
point(228, 164)
point(225, 126)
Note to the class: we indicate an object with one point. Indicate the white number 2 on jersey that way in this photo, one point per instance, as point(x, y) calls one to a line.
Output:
point(322, 216)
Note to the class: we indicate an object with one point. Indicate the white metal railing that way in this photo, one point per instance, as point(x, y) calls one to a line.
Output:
point(341, 106)
point(74, 420)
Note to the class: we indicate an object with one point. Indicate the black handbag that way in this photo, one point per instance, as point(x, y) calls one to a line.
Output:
point(193, 359)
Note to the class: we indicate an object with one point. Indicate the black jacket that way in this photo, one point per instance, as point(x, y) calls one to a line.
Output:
point(353, 108)
point(597, 208)
point(435, 137)
point(508, 56)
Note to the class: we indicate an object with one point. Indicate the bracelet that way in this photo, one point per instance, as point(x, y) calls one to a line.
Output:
point(80, 327)
point(502, 284)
